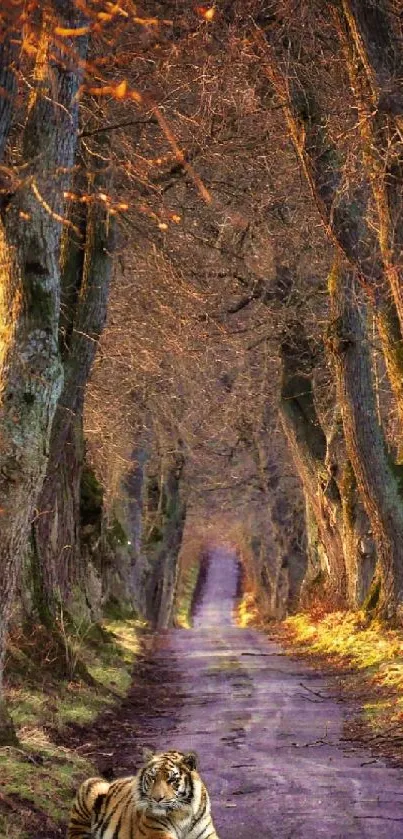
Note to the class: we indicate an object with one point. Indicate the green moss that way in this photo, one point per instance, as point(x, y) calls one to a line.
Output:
point(373, 654)
point(27, 707)
point(80, 710)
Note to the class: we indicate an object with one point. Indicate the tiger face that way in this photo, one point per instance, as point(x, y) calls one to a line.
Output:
point(165, 783)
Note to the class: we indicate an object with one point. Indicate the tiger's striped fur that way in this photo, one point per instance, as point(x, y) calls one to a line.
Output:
point(167, 799)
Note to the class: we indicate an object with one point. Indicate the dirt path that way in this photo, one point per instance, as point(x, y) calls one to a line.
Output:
point(268, 734)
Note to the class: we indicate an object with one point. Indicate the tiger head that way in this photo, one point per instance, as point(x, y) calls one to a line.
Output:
point(166, 782)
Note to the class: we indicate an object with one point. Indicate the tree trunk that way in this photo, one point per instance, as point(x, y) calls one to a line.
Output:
point(364, 439)
point(358, 544)
point(375, 65)
point(313, 582)
point(30, 234)
point(86, 281)
point(308, 446)
point(162, 588)
point(56, 527)
point(135, 487)
point(281, 558)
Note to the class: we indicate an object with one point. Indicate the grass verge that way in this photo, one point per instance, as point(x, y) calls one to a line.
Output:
point(369, 659)
point(38, 779)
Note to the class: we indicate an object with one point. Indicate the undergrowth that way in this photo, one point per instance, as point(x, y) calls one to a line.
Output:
point(38, 779)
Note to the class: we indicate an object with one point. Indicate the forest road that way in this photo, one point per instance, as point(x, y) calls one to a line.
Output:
point(266, 728)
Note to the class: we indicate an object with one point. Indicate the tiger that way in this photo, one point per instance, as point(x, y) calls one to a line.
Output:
point(167, 799)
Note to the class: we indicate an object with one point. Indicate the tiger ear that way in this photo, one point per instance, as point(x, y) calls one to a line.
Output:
point(190, 760)
point(148, 753)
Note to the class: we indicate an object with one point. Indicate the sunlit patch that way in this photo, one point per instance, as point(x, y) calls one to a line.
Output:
point(207, 12)
point(374, 651)
point(247, 612)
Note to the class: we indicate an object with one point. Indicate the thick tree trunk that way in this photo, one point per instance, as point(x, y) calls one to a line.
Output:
point(374, 60)
point(280, 555)
point(56, 527)
point(358, 544)
point(267, 557)
point(308, 446)
point(86, 281)
point(364, 439)
point(30, 233)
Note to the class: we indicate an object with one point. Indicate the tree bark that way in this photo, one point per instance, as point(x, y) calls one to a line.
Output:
point(281, 560)
point(358, 544)
point(375, 64)
point(364, 439)
point(30, 234)
point(308, 446)
point(10, 35)
point(163, 582)
point(135, 487)
point(86, 282)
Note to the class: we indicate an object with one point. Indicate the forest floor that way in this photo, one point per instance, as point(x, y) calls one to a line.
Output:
point(277, 736)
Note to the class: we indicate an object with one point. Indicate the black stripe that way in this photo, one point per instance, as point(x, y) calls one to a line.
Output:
point(173, 826)
point(205, 827)
point(97, 805)
point(201, 813)
point(152, 820)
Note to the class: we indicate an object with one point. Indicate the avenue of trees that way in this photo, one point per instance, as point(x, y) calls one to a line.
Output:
point(201, 303)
